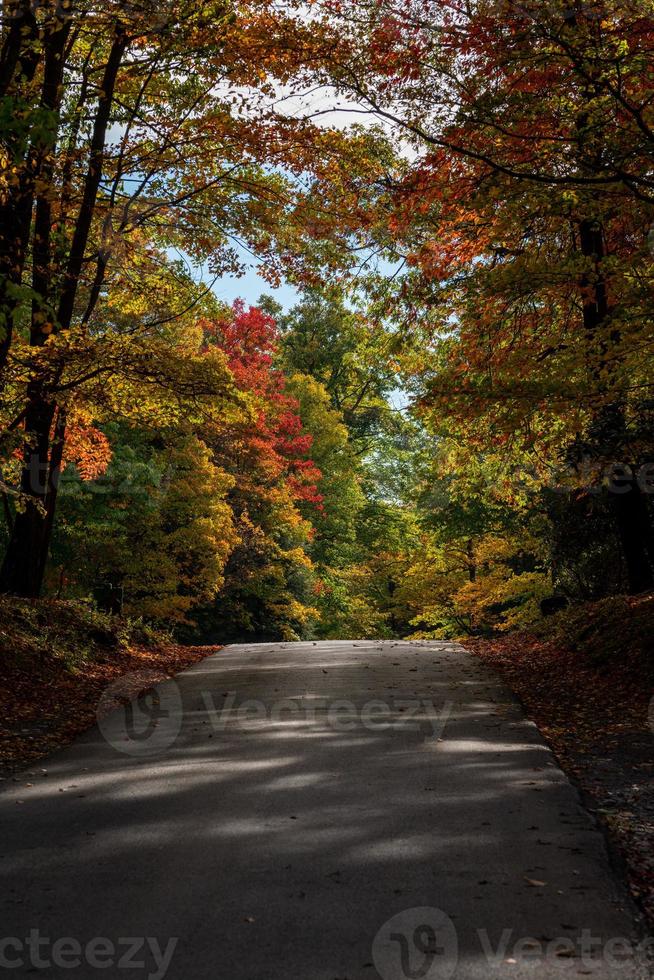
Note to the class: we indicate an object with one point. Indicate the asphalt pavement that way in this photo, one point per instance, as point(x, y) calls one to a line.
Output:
point(310, 811)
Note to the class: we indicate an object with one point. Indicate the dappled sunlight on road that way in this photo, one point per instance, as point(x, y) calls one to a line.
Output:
point(313, 822)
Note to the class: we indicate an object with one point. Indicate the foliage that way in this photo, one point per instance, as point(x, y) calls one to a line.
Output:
point(521, 214)
point(70, 631)
point(453, 421)
point(156, 524)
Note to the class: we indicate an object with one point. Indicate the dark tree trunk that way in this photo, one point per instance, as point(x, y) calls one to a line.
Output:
point(20, 56)
point(23, 565)
point(627, 503)
point(634, 528)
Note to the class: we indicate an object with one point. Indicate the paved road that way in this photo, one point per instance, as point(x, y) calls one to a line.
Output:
point(375, 810)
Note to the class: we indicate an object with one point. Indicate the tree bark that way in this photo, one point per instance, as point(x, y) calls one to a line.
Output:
point(628, 503)
point(633, 523)
point(19, 59)
point(24, 563)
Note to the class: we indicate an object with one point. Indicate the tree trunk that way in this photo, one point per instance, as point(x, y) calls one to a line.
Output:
point(24, 564)
point(23, 567)
point(19, 59)
point(633, 523)
point(628, 505)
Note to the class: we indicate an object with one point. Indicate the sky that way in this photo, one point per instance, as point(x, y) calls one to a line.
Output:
point(250, 287)
point(326, 109)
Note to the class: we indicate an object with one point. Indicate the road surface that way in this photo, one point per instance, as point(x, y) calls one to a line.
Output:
point(311, 811)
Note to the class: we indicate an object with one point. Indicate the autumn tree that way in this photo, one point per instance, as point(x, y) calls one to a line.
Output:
point(132, 130)
point(155, 525)
point(346, 351)
point(275, 492)
point(523, 217)
point(365, 449)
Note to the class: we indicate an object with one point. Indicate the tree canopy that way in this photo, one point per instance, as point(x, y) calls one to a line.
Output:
point(454, 419)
